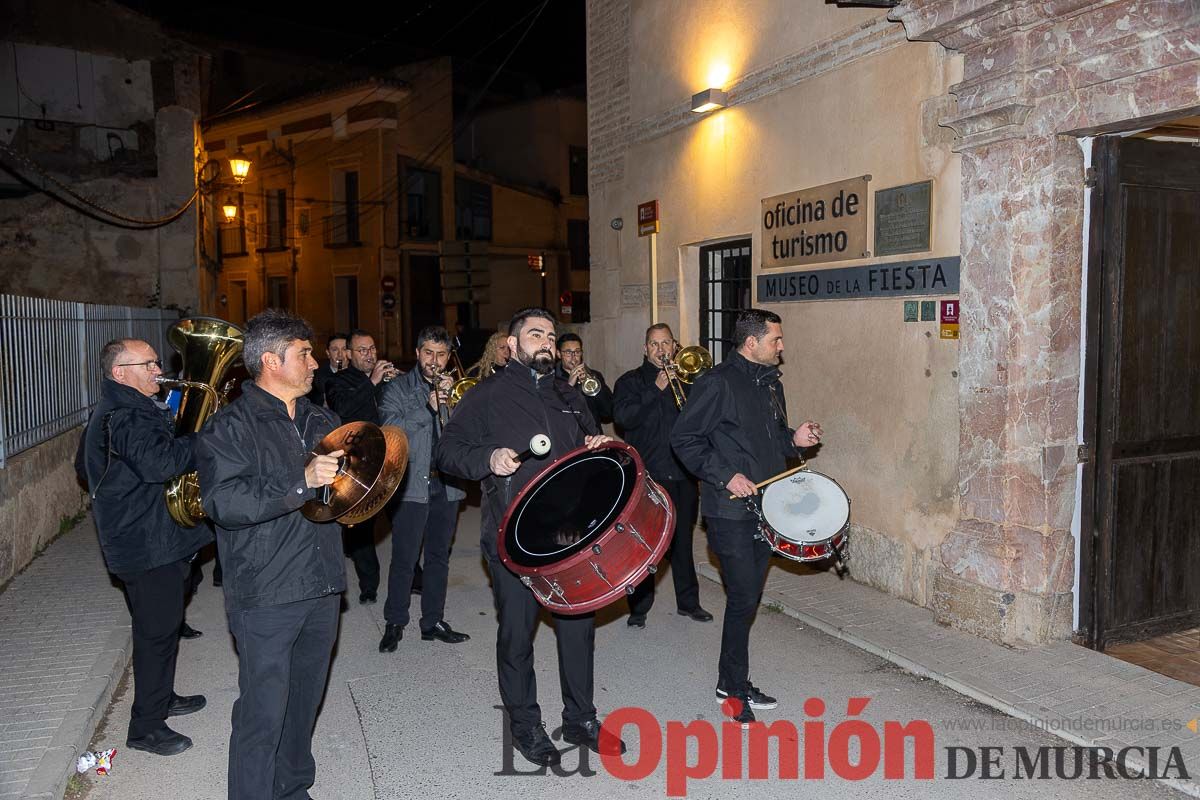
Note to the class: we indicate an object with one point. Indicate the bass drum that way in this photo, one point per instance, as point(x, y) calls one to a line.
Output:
point(587, 529)
point(805, 516)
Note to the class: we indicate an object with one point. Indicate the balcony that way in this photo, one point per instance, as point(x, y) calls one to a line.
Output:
point(341, 230)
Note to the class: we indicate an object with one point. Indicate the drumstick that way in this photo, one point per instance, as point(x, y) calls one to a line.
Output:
point(539, 445)
point(773, 478)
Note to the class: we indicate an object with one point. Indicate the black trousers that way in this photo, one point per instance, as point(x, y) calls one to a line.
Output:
point(518, 616)
point(155, 599)
point(359, 543)
point(686, 498)
point(744, 562)
point(283, 663)
point(432, 524)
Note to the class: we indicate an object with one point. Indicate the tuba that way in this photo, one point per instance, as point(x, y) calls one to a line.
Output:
point(208, 347)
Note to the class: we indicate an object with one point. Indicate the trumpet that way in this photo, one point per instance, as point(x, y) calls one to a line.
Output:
point(590, 384)
point(687, 365)
point(461, 380)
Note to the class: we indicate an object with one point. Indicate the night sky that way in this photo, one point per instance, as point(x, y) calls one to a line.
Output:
point(478, 34)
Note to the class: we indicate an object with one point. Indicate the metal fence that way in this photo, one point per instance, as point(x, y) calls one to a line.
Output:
point(50, 362)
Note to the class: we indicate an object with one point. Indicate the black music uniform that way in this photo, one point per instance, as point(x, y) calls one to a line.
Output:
point(647, 414)
point(735, 421)
point(284, 575)
point(507, 410)
point(130, 452)
point(354, 398)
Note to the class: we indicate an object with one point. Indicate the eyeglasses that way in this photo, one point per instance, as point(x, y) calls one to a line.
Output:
point(156, 362)
point(363, 351)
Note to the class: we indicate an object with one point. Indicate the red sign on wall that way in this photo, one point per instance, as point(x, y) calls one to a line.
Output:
point(648, 218)
point(949, 327)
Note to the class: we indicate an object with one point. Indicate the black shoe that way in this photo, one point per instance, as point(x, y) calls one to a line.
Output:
point(636, 621)
point(738, 710)
point(162, 742)
point(535, 745)
point(188, 632)
point(594, 737)
point(392, 634)
point(366, 598)
point(697, 613)
point(763, 702)
point(445, 633)
point(217, 579)
point(416, 589)
point(185, 704)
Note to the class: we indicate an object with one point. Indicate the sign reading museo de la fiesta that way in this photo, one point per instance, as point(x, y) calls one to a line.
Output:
point(815, 226)
point(894, 279)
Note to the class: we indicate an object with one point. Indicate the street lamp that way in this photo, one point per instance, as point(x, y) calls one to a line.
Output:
point(230, 209)
point(239, 165)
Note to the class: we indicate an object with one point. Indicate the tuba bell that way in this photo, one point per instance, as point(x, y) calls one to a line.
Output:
point(208, 347)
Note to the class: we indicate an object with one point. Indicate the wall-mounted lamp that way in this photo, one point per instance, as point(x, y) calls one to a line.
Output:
point(709, 100)
point(239, 165)
point(229, 208)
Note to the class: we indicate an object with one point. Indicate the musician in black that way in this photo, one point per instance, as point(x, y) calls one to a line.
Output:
point(491, 425)
point(336, 356)
point(574, 371)
point(353, 394)
point(645, 408)
point(129, 452)
point(734, 432)
point(284, 573)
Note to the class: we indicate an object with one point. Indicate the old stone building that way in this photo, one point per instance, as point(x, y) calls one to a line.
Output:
point(97, 98)
point(1016, 437)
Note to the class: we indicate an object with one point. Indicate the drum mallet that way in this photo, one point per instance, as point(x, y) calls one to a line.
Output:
point(539, 446)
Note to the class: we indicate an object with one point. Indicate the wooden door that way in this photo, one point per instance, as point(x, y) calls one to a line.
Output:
point(1145, 575)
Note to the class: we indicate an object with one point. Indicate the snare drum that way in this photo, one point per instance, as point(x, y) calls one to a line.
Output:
point(804, 517)
point(587, 529)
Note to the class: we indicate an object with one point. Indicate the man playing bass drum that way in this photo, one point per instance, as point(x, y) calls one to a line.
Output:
point(489, 427)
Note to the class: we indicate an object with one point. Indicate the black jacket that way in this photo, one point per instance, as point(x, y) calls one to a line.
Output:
point(601, 405)
point(352, 396)
point(251, 458)
point(321, 379)
point(507, 410)
point(646, 415)
point(136, 531)
point(735, 420)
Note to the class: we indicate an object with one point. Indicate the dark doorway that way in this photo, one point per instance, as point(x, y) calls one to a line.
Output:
point(1140, 549)
point(426, 298)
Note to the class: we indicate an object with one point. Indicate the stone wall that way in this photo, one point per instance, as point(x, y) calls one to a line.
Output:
point(38, 491)
point(1035, 76)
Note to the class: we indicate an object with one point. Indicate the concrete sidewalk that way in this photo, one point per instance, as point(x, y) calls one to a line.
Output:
point(1078, 694)
point(66, 642)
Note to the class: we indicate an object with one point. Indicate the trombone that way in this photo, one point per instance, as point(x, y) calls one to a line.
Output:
point(461, 381)
point(687, 365)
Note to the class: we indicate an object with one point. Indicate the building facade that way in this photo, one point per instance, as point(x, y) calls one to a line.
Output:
point(101, 109)
point(936, 325)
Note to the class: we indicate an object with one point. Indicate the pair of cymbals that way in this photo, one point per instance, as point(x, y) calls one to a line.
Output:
point(371, 467)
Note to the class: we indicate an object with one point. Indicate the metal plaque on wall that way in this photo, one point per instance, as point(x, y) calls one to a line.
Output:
point(902, 215)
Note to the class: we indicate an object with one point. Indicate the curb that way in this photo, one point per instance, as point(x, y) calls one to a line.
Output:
point(49, 779)
point(1189, 787)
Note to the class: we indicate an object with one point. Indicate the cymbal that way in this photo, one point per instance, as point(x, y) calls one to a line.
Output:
point(361, 465)
point(394, 464)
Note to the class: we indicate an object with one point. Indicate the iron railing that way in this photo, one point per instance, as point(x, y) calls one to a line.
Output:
point(50, 362)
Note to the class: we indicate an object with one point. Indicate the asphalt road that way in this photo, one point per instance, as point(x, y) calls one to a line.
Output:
point(423, 722)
